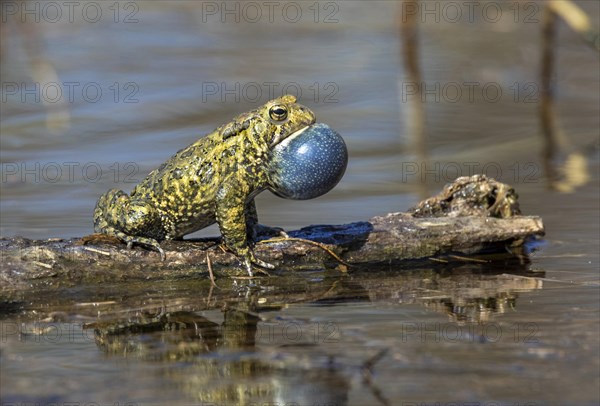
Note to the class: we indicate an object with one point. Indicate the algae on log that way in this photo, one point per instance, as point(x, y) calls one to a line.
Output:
point(471, 216)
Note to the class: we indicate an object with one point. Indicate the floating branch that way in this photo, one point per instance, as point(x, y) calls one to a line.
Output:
point(471, 216)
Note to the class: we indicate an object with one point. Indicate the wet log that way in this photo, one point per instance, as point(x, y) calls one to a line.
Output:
point(470, 217)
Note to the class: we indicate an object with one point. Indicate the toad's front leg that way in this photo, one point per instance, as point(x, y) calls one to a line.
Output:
point(231, 212)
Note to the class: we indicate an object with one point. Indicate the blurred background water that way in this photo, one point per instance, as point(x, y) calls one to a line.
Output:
point(96, 96)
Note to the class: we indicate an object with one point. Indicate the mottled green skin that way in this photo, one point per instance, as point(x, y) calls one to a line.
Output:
point(213, 180)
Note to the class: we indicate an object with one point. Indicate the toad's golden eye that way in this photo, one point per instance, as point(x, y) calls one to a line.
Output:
point(278, 112)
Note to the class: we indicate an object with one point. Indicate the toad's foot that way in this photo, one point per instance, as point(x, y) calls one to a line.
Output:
point(260, 230)
point(150, 242)
point(250, 260)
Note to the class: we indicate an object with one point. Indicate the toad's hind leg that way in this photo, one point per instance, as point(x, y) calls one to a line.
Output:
point(130, 220)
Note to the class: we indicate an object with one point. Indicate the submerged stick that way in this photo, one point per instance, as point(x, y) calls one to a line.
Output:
point(574, 172)
point(577, 20)
point(414, 110)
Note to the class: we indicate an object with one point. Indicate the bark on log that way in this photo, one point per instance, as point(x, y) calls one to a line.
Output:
point(471, 216)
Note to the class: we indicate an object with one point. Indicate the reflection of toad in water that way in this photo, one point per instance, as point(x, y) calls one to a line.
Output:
point(231, 362)
point(233, 374)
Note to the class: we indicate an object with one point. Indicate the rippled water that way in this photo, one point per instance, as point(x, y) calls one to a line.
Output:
point(523, 334)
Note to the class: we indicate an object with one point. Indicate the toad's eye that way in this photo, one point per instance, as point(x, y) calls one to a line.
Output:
point(278, 112)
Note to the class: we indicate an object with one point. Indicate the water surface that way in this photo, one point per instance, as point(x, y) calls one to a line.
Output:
point(521, 333)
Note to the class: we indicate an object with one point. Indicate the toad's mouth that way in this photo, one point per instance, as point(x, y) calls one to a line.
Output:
point(284, 140)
